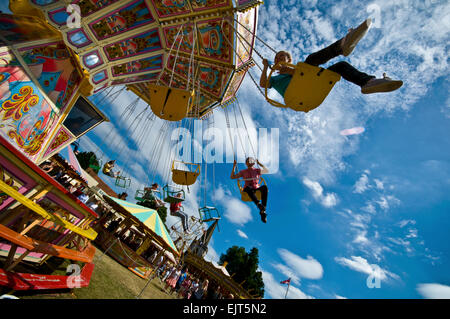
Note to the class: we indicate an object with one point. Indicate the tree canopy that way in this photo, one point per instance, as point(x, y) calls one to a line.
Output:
point(88, 159)
point(244, 266)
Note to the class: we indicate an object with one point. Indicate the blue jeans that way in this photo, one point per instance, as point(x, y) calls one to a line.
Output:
point(343, 68)
point(183, 216)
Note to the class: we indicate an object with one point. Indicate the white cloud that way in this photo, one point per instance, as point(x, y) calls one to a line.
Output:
point(386, 202)
point(360, 264)
point(327, 200)
point(308, 268)
point(434, 291)
point(369, 208)
point(275, 290)
point(362, 184)
point(236, 211)
point(379, 184)
point(339, 297)
point(242, 234)
point(412, 233)
point(361, 238)
point(315, 147)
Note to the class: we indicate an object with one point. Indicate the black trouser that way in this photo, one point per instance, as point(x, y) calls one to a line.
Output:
point(343, 68)
point(251, 193)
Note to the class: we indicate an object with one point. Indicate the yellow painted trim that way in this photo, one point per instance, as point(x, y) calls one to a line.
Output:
point(89, 233)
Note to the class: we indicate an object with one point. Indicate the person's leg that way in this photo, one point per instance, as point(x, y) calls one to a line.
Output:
point(342, 46)
point(264, 191)
point(350, 73)
point(324, 55)
point(251, 193)
point(184, 220)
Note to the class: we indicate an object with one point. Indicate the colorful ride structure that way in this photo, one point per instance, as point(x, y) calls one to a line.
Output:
point(55, 54)
point(149, 44)
point(40, 219)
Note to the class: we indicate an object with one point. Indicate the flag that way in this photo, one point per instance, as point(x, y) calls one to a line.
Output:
point(287, 281)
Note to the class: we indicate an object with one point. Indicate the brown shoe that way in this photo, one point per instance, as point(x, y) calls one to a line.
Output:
point(352, 38)
point(385, 84)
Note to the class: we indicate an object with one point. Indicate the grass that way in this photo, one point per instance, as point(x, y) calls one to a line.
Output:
point(110, 280)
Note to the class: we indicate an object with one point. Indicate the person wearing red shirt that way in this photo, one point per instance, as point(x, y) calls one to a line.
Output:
point(251, 177)
point(175, 210)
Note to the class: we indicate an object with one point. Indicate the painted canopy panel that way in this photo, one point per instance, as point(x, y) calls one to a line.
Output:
point(131, 42)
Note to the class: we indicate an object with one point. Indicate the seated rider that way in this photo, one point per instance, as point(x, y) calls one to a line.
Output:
point(149, 194)
point(368, 83)
point(107, 169)
point(175, 210)
point(251, 177)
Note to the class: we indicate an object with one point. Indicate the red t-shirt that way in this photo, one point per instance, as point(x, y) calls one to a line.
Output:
point(253, 174)
point(174, 207)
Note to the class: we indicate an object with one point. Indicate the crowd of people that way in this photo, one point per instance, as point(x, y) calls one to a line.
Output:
point(75, 186)
point(177, 279)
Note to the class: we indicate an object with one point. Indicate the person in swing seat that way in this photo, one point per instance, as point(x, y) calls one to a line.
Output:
point(175, 210)
point(149, 194)
point(251, 177)
point(368, 83)
point(107, 169)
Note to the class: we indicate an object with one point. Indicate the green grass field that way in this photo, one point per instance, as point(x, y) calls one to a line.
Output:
point(110, 280)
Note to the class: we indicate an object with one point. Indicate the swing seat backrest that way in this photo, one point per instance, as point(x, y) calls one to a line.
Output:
point(309, 87)
point(244, 195)
point(208, 213)
point(185, 176)
point(170, 196)
point(170, 104)
point(123, 182)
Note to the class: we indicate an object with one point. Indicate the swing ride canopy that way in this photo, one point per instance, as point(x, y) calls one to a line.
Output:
point(142, 42)
point(149, 218)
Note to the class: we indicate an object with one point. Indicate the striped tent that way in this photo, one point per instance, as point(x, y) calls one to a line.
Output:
point(149, 218)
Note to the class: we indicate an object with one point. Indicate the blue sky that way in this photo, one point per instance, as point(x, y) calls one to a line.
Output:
point(341, 208)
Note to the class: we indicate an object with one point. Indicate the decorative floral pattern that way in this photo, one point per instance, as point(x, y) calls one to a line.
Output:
point(19, 103)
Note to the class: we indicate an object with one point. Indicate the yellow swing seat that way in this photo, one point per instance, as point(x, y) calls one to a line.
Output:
point(185, 177)
point(244, 195)
point(170, 104)
point(309, 86)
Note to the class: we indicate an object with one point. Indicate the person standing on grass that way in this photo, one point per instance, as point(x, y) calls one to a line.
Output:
point(202, 290)
point(172, 281)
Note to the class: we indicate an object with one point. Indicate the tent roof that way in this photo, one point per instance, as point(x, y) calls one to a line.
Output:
point(148, 218)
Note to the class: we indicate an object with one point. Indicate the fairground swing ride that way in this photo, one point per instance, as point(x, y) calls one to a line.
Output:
point(167, 53)
point(202, 66)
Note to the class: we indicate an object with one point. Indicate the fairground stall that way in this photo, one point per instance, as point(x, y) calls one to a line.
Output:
point(129, 233)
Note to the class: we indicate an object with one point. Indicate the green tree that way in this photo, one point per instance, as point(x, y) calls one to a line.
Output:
point(162, 211)
point(244, 266)
point(88, 159)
